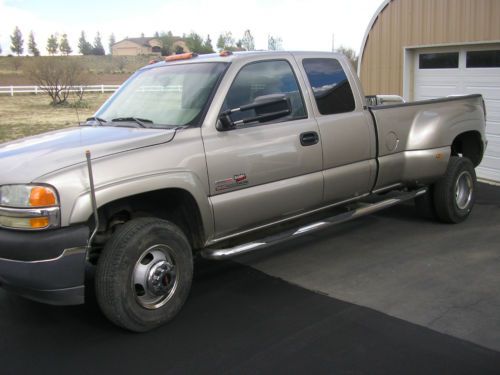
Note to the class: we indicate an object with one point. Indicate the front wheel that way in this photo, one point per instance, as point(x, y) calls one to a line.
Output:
point(455, 193)
point(144, 274)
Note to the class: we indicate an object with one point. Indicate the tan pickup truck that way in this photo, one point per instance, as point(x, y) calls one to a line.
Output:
point(217, 156)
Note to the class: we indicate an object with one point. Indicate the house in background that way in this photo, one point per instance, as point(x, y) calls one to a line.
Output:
point(145, 46)
point(424, 49)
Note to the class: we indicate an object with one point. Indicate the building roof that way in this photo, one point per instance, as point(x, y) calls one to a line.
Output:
point(367, 32)
point(143, 41)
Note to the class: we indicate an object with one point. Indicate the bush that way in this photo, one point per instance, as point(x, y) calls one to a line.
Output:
point(56, 76)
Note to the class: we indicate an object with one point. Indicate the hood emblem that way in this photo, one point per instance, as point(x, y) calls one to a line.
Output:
point(237, 180)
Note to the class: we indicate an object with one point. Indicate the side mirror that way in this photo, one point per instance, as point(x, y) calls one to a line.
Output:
point(267, 107)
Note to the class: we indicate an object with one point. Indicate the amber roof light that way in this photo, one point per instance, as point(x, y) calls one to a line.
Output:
point(181, 56)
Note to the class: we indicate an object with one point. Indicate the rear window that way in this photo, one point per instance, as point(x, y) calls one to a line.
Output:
point(330, 86)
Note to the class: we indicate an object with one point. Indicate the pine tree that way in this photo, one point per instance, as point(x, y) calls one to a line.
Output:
point(226, 41)
point(16, 40)
point(52, 45)
point(220, 42)
point(84, 47)
point(64, 45)
point(207, 45)
point(0, 48)
point(112, 41)
point(166, 40)
point(32, 47)
point(98, 49)
point(194, 42)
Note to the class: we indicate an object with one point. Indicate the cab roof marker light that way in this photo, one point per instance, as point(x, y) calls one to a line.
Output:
point(225, 53)
point(181, 56)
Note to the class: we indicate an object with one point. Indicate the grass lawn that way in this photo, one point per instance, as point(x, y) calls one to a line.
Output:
point(23, 115)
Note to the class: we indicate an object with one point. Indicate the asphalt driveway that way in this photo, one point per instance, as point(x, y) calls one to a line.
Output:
point(389, 293)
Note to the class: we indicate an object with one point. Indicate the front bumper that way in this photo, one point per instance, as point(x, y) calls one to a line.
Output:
point(46, 266)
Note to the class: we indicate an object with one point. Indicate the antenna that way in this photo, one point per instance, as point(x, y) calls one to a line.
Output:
point(333, 42)
point(75, 104)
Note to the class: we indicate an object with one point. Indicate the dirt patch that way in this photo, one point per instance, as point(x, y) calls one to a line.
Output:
point(24, 115)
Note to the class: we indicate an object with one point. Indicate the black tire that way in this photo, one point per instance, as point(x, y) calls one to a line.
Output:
point(451, 207)
point(119, 267)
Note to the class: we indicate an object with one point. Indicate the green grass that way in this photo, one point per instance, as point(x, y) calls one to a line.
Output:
point(24, 115)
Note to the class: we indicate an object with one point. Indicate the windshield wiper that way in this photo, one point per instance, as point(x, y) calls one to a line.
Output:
point(139, 121)
point(98, 119)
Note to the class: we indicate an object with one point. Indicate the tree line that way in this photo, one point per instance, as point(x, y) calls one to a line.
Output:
point(59, 44)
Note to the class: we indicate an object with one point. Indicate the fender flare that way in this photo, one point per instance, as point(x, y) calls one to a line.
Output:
point(107, 193)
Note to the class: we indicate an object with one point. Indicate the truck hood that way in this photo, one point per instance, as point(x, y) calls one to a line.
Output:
point(23, 160)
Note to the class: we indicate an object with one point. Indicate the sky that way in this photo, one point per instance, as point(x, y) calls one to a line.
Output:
point(308, 25)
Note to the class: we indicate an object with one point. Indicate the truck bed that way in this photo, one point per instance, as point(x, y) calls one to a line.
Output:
point(414, 139)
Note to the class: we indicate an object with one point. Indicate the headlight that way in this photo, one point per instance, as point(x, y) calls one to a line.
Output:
point(28, 207)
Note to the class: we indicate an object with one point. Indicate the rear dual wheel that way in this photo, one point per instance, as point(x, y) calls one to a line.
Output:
point(144, 274)
point(452, 197)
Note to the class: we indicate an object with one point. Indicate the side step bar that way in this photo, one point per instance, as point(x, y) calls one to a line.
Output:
point(226, 253)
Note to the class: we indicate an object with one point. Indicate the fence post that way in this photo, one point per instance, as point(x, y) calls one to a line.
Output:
point(102, 89)
point(11, 90)
point(36, 90)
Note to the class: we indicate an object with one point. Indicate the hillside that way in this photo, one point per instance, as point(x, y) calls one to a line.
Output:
point(111, 70)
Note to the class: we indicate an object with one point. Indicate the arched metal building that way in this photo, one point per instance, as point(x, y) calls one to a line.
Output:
point(423, 49)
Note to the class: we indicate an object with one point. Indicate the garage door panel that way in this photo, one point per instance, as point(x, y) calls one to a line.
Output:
point(488, 173)
point(433, 91)
point(492, 128)
point(493, 148)
point(490, 163)
point(490, 94)
point(434, 83)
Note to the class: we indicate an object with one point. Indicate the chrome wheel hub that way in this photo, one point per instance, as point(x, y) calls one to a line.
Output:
point(463, 190)
point(154, 278)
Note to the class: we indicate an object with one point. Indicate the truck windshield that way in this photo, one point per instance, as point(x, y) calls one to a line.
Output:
point(164, 96)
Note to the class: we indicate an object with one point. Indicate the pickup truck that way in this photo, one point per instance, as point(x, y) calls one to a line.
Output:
point(216, 156)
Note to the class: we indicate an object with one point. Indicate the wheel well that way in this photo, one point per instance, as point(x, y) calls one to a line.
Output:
point(175, 205)
point(470, 145)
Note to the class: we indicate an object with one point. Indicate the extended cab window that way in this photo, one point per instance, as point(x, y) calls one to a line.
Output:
point(259, 79)
point(330, 86)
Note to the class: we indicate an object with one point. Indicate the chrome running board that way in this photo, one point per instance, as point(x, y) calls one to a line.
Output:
point(230, 252)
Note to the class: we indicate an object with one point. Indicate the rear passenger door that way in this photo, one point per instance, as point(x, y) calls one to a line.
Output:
point(263, 171)
point(347, 132)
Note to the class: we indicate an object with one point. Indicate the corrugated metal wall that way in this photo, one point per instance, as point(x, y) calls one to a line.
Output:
point(410, 23)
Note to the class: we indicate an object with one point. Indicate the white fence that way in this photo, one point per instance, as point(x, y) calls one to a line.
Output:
point(12, 90)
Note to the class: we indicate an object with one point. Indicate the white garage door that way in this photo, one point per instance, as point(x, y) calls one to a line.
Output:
point(465, 70)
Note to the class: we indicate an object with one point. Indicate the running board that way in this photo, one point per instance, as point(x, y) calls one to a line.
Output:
point(230, 252)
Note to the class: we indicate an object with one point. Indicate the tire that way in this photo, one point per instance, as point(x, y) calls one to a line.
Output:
point(455, 193)
point(144, 274)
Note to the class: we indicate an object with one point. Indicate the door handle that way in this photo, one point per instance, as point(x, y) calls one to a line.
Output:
point(309, 138)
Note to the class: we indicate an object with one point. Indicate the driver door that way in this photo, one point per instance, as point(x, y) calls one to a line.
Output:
point(263, 171)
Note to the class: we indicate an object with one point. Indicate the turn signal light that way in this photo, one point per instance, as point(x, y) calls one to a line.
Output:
point(42, 197)
point(39, 222)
